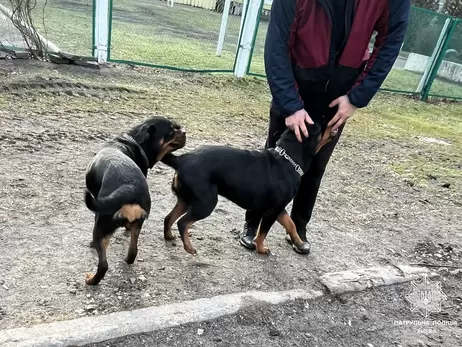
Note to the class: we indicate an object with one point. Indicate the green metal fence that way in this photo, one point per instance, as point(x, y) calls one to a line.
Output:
point(446, 78)
point(185, 35)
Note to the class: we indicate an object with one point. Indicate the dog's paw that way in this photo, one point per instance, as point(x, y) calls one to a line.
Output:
point(90, 279)
point(130, 259)
point(264, 251)
point(190, 250)
point(169, 236)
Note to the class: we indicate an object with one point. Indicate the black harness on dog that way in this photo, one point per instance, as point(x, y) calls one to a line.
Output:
point(133, 141)
point(282, 152)
point(143, 153)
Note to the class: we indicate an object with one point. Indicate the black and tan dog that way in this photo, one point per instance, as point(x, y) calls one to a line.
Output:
point(117, 190)
point(260, 181)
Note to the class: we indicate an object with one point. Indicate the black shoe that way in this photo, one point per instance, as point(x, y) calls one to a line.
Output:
point(247, 236)
point(305, 247)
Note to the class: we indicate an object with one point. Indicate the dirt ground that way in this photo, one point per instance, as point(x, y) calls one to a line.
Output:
point(54, 118)
point(374, 318)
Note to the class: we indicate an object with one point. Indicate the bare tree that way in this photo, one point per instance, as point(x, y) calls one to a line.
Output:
point(21, 17)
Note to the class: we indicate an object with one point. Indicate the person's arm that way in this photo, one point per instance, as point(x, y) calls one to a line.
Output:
point(281, 80)
point(391, 29)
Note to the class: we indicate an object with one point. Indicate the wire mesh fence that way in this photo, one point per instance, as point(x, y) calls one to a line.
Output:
point(448, 77)
point(421, 38)
point(175, 33)
point(203, 35)
point(66, 23)
point(424, 30)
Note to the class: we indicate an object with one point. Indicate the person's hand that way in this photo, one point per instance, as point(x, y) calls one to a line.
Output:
point(345, 111)
point(296, 122)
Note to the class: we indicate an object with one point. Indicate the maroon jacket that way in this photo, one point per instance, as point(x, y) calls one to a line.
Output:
point(305, 56)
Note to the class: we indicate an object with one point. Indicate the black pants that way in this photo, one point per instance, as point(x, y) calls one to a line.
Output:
point(305, 199)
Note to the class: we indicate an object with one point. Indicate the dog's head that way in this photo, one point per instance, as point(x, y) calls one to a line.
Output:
point(289, 139)
point(159, 136)
point(310, 145)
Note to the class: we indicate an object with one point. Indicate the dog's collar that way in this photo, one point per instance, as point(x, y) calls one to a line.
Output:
point(143, 153)
point(282, 152)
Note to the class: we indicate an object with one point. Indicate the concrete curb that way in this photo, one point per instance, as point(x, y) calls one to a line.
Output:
point(361, 279)
point(87, 330)
point(83, 331)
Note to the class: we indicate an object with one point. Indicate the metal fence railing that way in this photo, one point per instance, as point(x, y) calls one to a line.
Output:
point(447, 74)
point(182, 34)
point(207, 35)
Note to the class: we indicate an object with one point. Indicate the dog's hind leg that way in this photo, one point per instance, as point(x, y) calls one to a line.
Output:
point(201, 209)
point(179, 210)
point(104, 228)
point(133, 217)
point(91, 244)
point(135, 229)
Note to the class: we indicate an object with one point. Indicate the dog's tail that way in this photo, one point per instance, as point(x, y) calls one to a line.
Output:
point(170, 160)
point(118, 204)
point(108, 205)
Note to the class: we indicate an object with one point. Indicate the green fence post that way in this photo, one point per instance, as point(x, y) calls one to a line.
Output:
point(246, 37)
point(433, 58)
point(433, 73)
point(109, 39)
point(93, 31)
point(254, 39)
point(243, 19)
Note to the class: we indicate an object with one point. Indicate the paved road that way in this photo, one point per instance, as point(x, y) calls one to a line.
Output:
point(362, 319)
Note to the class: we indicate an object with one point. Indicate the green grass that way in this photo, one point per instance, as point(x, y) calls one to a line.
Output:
point(181, 36)
point(405, 121)
point(422, 172)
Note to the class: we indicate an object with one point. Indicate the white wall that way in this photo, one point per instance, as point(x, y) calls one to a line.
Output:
point(451, 71)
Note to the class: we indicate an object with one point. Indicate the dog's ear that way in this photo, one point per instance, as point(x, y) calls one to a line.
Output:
point(146, 131)
point(313, 129)
point(149, 129)
point(152, 129)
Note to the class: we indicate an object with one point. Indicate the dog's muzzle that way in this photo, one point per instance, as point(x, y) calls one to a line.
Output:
point(179, 138)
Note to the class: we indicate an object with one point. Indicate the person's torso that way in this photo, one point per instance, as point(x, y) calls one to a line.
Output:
point(331, 38)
